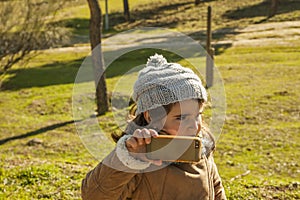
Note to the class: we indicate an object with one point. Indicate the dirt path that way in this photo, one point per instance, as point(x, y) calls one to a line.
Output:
point(280, 33)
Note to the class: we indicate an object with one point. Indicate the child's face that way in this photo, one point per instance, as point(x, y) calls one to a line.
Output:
point(184, 118)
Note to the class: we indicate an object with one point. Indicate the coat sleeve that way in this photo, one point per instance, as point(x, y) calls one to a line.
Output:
point(116, 177)
point(106, 182)
point(217, 183)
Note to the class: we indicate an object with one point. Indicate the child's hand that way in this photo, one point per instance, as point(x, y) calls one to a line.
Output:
point(137, 144)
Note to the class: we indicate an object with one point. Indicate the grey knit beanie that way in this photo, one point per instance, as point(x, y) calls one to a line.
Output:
point(161, 83)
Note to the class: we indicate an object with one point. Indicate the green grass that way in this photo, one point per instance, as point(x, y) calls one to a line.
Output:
point(181, 15)
point(262, 126)
point(33, 106)
point(261, 133)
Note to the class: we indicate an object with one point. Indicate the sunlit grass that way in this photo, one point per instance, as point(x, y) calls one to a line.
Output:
point(260, 136)
point(260, 133)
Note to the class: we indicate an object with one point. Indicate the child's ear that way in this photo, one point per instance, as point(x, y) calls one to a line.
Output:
point(147, 116)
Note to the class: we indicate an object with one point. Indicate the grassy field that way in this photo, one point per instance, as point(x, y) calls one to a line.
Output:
point(42, 157)
point(181, 15)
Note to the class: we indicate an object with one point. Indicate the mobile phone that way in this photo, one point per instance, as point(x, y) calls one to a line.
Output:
point(175, 148)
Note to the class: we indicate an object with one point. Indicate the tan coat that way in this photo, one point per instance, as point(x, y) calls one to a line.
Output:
point(176, 181)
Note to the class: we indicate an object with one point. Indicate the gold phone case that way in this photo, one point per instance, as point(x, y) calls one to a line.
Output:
point(175, 148)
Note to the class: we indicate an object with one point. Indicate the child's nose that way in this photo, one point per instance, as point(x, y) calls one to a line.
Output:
point(193, 125)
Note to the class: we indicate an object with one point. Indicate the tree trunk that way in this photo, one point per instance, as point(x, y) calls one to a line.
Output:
point(197, 2)
point(97, 57)
point(126, 10)
point(273, 8)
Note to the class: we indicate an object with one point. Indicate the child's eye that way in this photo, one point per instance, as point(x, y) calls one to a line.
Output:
point(181, 118)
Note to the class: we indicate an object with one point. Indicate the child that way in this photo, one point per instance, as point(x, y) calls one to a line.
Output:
point(169, 100)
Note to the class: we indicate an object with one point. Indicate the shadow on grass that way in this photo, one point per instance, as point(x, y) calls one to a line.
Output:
point(55, 73)
point(58, 73)
point(79, 29)
point(151, 12)
point(135, 58)
point(80, 26)
point(36, 132)
point(217, 35)
point(167, 15)
point(262, 9)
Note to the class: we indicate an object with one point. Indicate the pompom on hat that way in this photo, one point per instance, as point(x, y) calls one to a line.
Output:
point(161, 83)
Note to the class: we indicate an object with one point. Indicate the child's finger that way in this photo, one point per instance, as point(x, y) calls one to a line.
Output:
point(131, 143)
point(146, 135)
point(156, 162)
point(140, 140)
point(150, 133)
point(153, 133)
point(138, 135)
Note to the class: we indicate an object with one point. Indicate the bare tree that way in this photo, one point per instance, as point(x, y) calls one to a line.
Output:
point(126, 10)
point(26, 26)
point(97, 57)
